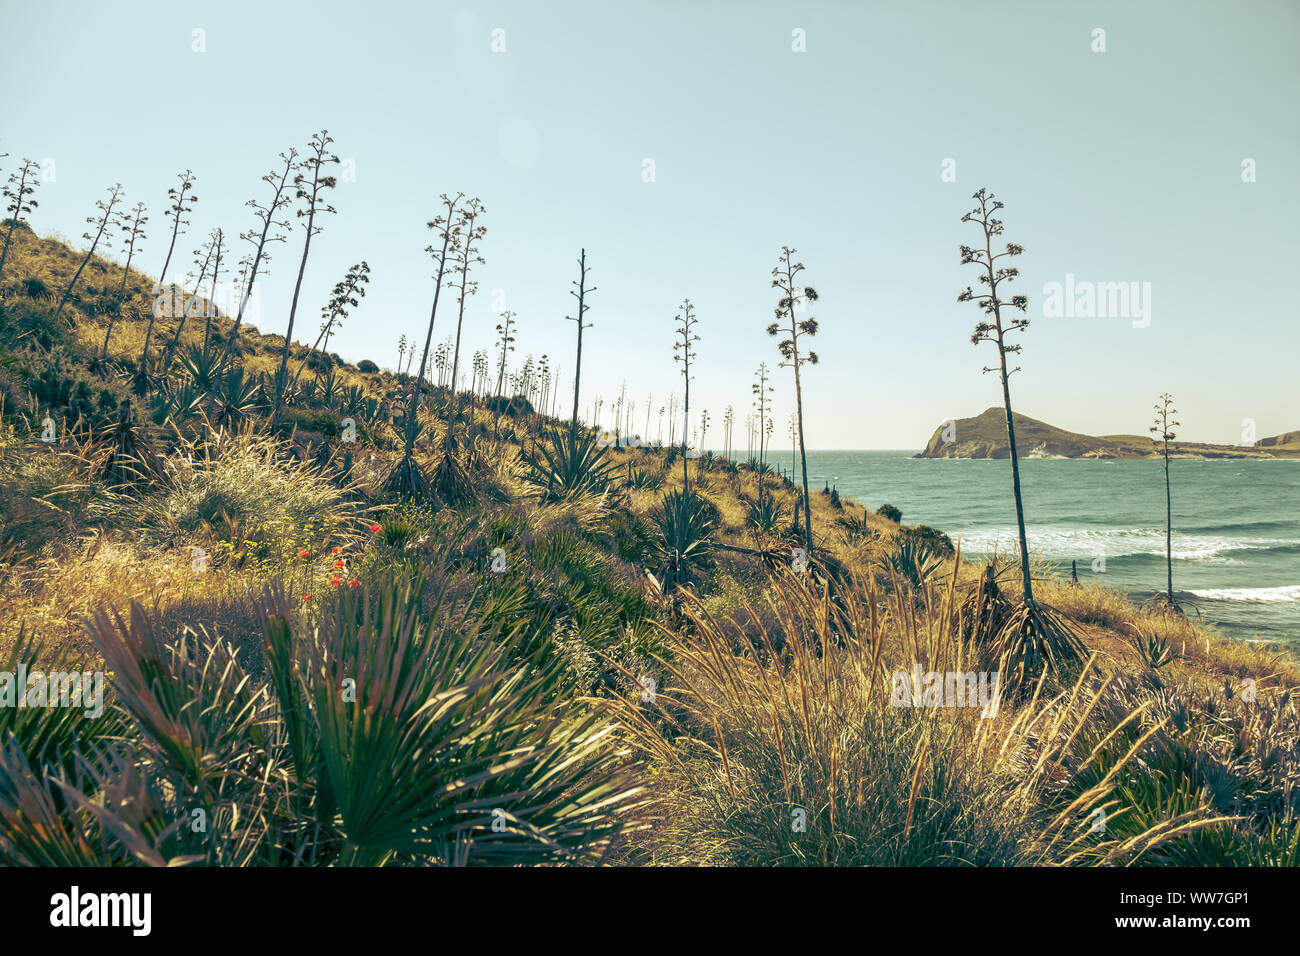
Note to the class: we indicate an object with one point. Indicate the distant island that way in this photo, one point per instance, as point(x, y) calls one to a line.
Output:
point(985, 436)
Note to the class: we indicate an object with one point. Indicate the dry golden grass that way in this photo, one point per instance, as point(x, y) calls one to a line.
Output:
point(1203, 653)
point(776, 742)
point(55, 596)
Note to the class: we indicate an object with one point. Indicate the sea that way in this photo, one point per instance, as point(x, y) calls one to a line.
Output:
point(1236, 523)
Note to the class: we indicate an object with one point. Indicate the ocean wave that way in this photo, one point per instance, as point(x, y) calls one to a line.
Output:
point(1288, 593)
point(1201, 554)
point(1124, 542)
point(1290, 527)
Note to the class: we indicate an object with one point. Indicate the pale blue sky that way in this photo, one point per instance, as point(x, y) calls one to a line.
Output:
point(1115, 166)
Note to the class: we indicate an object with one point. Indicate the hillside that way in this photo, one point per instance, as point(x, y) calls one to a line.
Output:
point(502, 642)
point(985, 436)
point(59, 358)
point(1289, 441)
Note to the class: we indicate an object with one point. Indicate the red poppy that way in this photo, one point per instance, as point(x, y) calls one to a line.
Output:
point(306, 598)
point(338, 565)
point(335, 581)
point(304, 553)
point(376, 528)
point(354, 583)
point(336, 550)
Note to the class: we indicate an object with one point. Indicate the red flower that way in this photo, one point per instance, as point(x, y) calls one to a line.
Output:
point(306, 598)
point(304, 553)
point(376, 528)
point(338, 565)
point(335, 581)
point(354, 583)
point(336, 550)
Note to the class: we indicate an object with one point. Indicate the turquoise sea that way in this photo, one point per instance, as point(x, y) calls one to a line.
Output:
point(1236, 538)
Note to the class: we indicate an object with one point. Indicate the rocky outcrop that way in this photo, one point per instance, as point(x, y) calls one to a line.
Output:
point(985, 436)
point(1277, 441)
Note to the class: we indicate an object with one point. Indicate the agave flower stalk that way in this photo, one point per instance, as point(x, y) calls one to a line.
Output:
point(581, 295)
point(100, 222)
point(406, 477)
point(684, 352)
point(784, 278)
point(471, 232)
point(762, 391)
point(267, 215)
point(991, 304)
point(314, 204)
point(18, 191)
point(347, 293)
point(182, 203)
point(220, 239)
point(1163, 430)
point(188, 305)
point(134, 231)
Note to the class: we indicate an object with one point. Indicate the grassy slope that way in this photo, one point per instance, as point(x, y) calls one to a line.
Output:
point(580, 567)
point(1107, 613)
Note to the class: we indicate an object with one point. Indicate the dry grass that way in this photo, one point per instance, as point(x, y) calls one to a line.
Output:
point(777, 743)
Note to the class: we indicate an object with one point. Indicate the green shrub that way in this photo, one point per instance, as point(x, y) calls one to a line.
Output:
point(29, 322)
point(932, 539)
point(326, 422)
point(403, 730)
point(244, 490)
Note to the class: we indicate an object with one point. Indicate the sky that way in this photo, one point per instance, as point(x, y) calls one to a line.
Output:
point(854, 132)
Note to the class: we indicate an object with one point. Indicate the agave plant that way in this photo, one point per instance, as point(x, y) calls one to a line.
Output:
point(286, 387)
point(643, 477)
point(327, 388)
point(178, 402)
point(351, 399)
point(569, 463)
point(236, 397)
point(911, 561)
point(36, 290)
point(407, 479)
point(1034, 637)
point(763, 514)
point(371, 414)
point(1154, 650)
point(984, 612)
point(685, 523)
point(201, 367)
point(855, 529)
point(130, 461)
point(452, 481)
